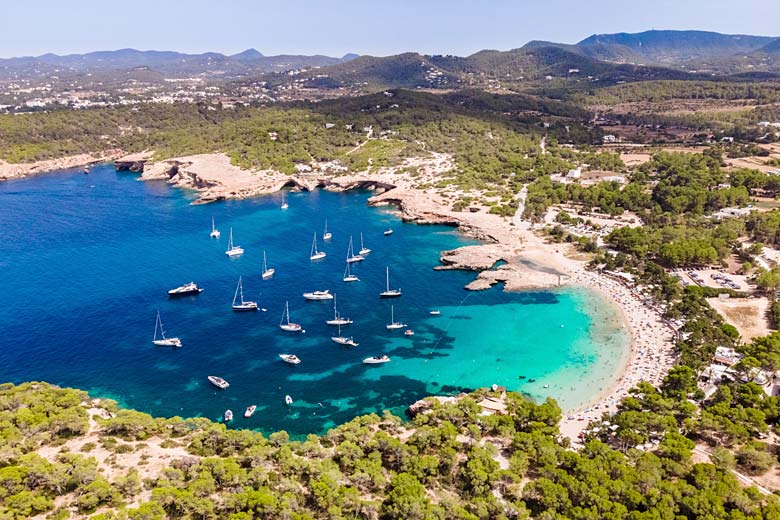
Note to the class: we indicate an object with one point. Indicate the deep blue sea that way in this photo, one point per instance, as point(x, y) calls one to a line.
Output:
point(87, 260)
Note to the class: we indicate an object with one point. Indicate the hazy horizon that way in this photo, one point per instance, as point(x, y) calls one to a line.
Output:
point(308, 27)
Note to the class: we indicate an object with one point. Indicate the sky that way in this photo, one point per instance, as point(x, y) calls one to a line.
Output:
point(336, 27)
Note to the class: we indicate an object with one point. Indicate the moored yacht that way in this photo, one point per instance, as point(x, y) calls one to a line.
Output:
point(351, 256)
point(238, 299)
point(388, 292)
point(338, 319)
point(290, 358)
point(233, 250)
point(267, 273)
point(363, 249)
point(348, 276)
point(163, 341)
point(214, 231)
point(375, 360)
point(316, 255)
point(342, 340)
point(187, 289)
point(288, 400)
point(318, 295)
point(228, 416)
point(388, 232)
point(326, 235)
point(218, 382)
point(285, 323)
point(394, 325)
point(250, 411)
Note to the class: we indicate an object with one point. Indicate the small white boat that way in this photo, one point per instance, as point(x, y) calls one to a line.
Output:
point(342, 340)
point(337, 318)
point(285, 323)
point(326, 235)
point(228, 416)
point(394, 325)
point(316, 255)
point(284, 202)
point(187, 289)
point(351, 256)
point(239, 304)
point(218, 382)
point(363, 249)
point(214, 231)
point(290, 358)
point(409, 332)
point(318, 295)
point(288, 400)
point(250, 411)
point(233, 250)
point(389, 293)
point(163, 341)
point(388, 232)
point(435, 312)
point(376, 360)
point(267, 273)
point(348, 276)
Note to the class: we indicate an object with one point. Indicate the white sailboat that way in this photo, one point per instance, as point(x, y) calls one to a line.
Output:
point(388, 292)
point(233, 250)
point(163, 341)
point(316, 255)
point(337, 318)
point(238, 299)
point(342, 340)
point(348, 276)
point(393, 325)
point(214, 230)
point(267, 273)
point(327, 235)
point(351, 256)
point(284, 202)
point(363, 249)
point(285, 323)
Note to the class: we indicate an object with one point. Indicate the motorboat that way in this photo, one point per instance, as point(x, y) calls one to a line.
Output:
point(285, 323)
point(409, 332)
point(239, 304)
point(188, 289)
point(218, 382)
point(162, 341)
point(388, 232)
point(435, 312)
point(318, 295)
point(388, 292)
point(290, 358)
point(376, 360)
point(233, 250)
point(250, 411)
point(214, 231)
point(288, 400)
point(228, 416)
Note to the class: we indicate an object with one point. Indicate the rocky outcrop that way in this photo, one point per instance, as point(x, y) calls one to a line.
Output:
point(135, 162)
point(21, 170)
point(427, 404)
point(475, 258)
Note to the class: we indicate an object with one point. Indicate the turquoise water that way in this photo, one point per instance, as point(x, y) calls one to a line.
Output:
point(86, 261)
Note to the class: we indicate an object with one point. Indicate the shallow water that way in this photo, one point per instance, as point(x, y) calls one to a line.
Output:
point(86, 261)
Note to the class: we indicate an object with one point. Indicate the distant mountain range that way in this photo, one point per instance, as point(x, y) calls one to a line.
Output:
point(609, 58)
point(168, 63)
